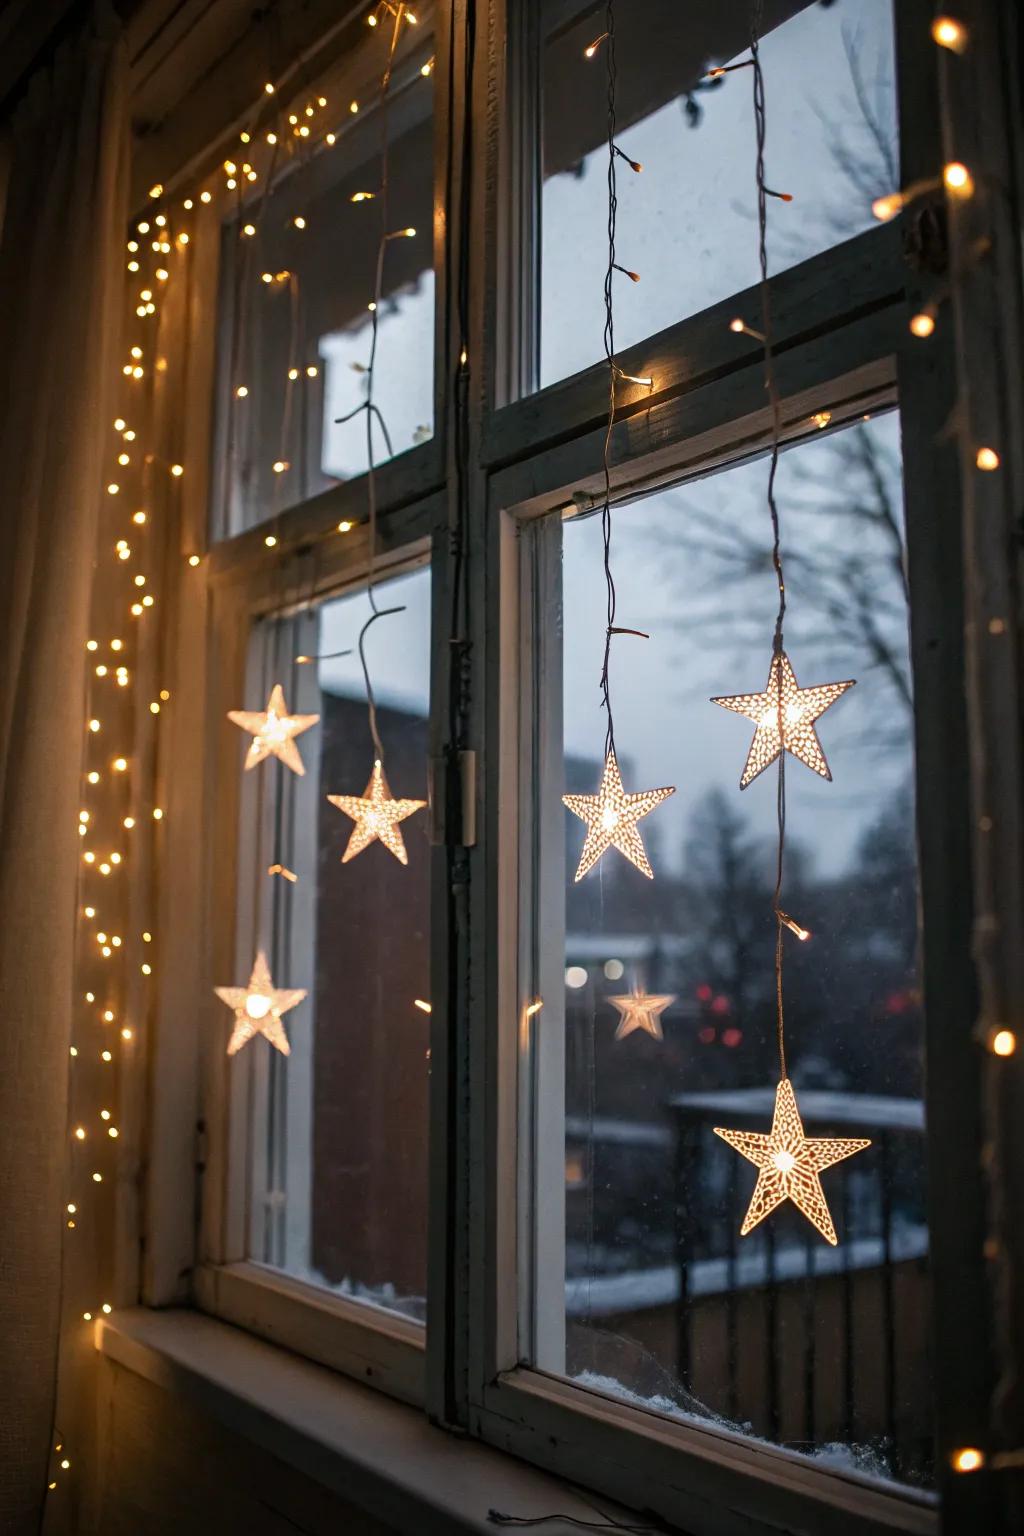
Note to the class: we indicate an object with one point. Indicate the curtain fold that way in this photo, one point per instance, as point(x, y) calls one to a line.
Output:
point(61, 284)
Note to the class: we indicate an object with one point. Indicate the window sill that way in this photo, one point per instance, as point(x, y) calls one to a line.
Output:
point(380, 1455)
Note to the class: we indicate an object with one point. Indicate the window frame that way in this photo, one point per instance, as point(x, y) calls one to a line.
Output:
point(195, 1251)
point(500, 457)
point(542, 451)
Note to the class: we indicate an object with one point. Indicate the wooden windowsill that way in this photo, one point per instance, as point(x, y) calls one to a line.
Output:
point(380, 1455)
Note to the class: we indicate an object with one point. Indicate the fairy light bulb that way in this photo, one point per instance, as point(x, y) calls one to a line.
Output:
point(1003, 1042)
point(958, 179)
point(967, 1458)
point(949, 33)
point(987, 459)
point(922, 324)
point(887, 207)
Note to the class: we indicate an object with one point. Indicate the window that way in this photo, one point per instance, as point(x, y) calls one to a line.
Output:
point(338, 1128)
point(647, 1292)
point(465, 1183)
point(687, 221)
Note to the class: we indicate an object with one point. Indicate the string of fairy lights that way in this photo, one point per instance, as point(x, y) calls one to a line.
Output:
point(120, 813)
point(789, 1164)
point(784, 714)
point(376, 814)
point(120, 810)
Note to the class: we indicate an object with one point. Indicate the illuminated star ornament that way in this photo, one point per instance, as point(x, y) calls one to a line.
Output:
point(376, 815)
point(258, 1008)
point(640, 1010)
point(611, 817)
point(788, 1164)
point(273, 730)
point(800, 708)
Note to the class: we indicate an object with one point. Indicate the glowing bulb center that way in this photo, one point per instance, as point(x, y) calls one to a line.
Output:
point(784, 1161)
point(609, 819)
point(257, 1006)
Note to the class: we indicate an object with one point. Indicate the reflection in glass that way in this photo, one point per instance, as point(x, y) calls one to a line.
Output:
point(298, 344)
point(339, 1128)
point(688, 222)
point(776, 1334)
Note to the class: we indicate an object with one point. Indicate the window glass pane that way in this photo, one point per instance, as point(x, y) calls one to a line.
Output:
point(312, 319)
point(688, 222)
point(642, 1285)
point(338, 1129)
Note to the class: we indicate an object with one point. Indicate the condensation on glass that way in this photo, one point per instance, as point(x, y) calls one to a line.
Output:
point(688, 222)
point(640, 1284)
point(337, 1187)
point(319, 248)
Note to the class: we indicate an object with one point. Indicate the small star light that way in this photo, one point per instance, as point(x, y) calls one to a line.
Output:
point(800, 708)
point(258, 1008)
point(611, 817)
point(376, 815)
point(640, 1010)
point(788, 1164)
point(272, 730)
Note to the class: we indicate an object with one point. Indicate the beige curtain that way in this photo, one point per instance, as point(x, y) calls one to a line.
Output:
point(61, 274)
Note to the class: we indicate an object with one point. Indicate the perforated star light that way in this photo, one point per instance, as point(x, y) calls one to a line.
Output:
point(273, 729)
point(376, 815)
point(611, 817)
point(258, 1008)
point(788, 1164)
point(800, 708)
point(640, 1010)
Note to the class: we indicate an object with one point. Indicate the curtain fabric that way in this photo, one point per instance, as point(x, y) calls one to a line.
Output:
point(61, 276)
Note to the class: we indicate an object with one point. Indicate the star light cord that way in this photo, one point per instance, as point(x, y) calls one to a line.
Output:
point(609, 351)
point(789, 1163)
point(760, 126)
point(611, 815)
point(369, 405)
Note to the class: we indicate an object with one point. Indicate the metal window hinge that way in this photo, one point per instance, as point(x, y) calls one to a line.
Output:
point(453, 800)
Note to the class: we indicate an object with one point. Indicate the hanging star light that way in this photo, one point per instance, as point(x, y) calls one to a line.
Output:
point(258, 1008)
point(640, 1010)
point(800, 708)
point(788, 1164)
point(376, 815)
point(611, 817)
point(273, 730)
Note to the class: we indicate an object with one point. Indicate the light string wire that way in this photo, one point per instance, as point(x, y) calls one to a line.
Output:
point(524, 1522)
point(760, 125)
point(614, 153)
point(369, 405)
